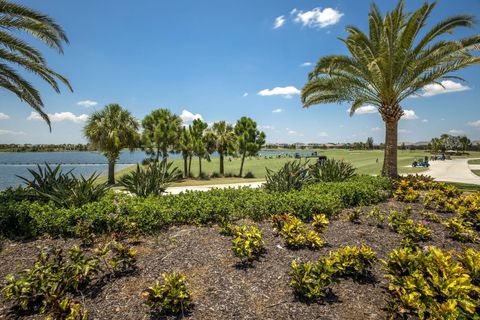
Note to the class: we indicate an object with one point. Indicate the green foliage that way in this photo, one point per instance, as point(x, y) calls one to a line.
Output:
point(460, 230)
point(405, 192)
point(412, 231)
point(226, 227)
point(118, 257)
point(353, 261)
point(331, 170)
point(65, 189)
point(430, 216)
point(320, 222)
point(153, 180)
point(292, 176)
point(430, 284)
point(170, 296)
point(377, 215)
point(295, 232)
point(247, 243)
point(311, 280)
point(354, 215)
point(470, 259)
point(249, 139)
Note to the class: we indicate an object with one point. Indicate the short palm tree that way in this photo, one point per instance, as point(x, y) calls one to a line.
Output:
point(14, 51)
point(186, 147)
point(225, 141)
point(396, 59)
point(110, 130)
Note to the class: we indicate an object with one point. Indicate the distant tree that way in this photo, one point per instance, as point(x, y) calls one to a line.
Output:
point(17, 52)
point(109, 131)
point(369, 143)
point(199, 148)
point(161, 129)
point(249, 139)
point(186, 147)
point(225, 139)
point(395, 59)
point(465, 143)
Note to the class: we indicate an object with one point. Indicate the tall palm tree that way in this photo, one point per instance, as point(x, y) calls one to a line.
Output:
point(15, 52)
point(199, 147)
point(110, 130)
point(394, 60)
point(186, 148)
point(225, 141)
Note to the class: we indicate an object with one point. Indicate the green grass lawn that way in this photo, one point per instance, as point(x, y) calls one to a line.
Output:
point(477, 172)
point(474, 161)
point(364, 160)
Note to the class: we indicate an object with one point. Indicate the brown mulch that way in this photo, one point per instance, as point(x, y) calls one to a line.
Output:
point(224, 289)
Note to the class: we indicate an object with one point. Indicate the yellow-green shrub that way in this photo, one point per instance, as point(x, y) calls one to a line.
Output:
point(170, 296)
point(296, 233)
point(311, 280)
point(353, 261)
point(460, 230)
point(248, 243)
point(320, 222)
point(377, 215)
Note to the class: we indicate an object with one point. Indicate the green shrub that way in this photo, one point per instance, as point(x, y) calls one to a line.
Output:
point(249, 175)
point(460, 230)
point(309, 280)
point(430, 216)
point(295, 232)
point(170, 296)
point(331, 170)
point(153, 180)
point(470, 259)
point(247, 243)
point(354, 214)
point(430, 284)
point(320, 222)
point(292, 176)
point(353, 261)
point(412, 231)
point(377, 215)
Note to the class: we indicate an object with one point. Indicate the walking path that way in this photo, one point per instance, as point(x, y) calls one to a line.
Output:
point(456, 170)
point(177, 190)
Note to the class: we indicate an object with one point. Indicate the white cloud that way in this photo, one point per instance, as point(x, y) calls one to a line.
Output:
point(306, 64)
point(245, 94)
point(446, 87)
point(188, 117)
point(474, 123)
point(317, 18)
point(409, 115)
point(87, 103)
point(293, 132)
point(365, 110)
point(278, 110)
point(11, 132)
point(4, 116)
point(424, 120)
point(267, 127)
point(456, 132)
point(279, 21)
point(60, 116)
point(376, 129)
point(287, 92)
point(323, 134)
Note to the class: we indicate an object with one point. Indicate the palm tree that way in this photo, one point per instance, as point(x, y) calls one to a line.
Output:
point(225, 141)
point(16, 52)
point(396, 59)
point(161, 129)
point(199, 148)
point(186, 148)
point(110, 130)
point(249, 139)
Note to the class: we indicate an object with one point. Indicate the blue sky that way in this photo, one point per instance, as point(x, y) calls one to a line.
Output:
point(222, 60)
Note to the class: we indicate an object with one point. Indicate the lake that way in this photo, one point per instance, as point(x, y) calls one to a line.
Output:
point(85, 163)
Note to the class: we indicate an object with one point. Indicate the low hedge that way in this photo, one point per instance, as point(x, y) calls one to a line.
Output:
point(122, 213)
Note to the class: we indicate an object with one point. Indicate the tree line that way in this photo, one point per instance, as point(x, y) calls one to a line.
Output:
point(448, 142)
point(113, 129)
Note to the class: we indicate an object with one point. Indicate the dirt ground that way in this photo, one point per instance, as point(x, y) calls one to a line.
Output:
point(224, 289)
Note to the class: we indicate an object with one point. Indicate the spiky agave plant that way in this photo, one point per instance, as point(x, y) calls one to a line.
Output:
point(395, 59)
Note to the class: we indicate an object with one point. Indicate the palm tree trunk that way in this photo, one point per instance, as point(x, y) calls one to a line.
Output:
point(222, 169)
point(189, 166)
point(391, 145)
point(111, 172)
point(241, 165)
point(185, 166)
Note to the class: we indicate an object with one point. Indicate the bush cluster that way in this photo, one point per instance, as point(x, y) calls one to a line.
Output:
point(311, 280)
point(297, 234)
point(247, 243)
point(122, 213)
point(431, 284)
point(412, 231)
point(170, 296)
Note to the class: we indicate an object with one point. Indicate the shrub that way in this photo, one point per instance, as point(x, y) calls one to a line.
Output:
point(295, 232)
point(460, 230)
point(468, 207)
point(170, 296)
point(331, 170)
point(353, 261)
point(353, 215)
point(429, 284)
point(377, 215)
point(412, 231)
point(118, 257)
point(311, 280)
point(65, 189)
point(430, 216)
point(248, 243)
point(405, 193)
point(292, 176)
point(320, 222)
point(153, 180)
point(249, 175)
point(470, 260)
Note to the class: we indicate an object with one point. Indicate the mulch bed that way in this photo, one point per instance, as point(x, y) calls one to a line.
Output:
point(224, 289)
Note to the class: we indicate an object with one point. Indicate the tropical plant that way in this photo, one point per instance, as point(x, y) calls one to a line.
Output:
point(186, 147)
point(171, 296)
point(152, 180)
point(199, 146)
point(249, 139)
point(247, 243)
point(309, 280)
point(225, 141)
point(331, 170)
point(353, 261)
point(161, 130)
point(396, 59)
point(292, 176)
point(15, 51)
point(110, 130)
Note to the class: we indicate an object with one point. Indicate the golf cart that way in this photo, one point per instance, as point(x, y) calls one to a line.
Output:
point(420, 163)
